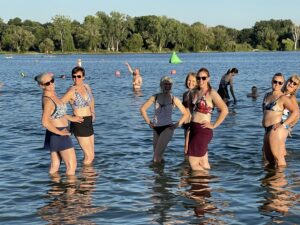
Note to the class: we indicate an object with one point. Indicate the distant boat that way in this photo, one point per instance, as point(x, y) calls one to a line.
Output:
point(175, 59)
point(8, 57)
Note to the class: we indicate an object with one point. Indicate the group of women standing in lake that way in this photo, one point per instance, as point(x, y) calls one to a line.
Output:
point(280, 114)
point(55, 120)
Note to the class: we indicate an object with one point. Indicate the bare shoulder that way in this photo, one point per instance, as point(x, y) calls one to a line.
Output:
point(213, 93)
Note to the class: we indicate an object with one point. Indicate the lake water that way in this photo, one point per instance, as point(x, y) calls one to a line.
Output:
point(123, 187)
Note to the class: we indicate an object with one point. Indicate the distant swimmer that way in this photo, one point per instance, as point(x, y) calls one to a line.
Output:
point(63, 76)
point(79, 62)
point(254, 93)
point(227, 80)
point(137, 80)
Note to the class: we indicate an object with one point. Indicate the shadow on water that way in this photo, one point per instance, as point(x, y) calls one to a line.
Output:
point(279, 196)
point(70, 201)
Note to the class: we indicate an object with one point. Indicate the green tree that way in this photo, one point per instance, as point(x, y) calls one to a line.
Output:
point(47, 46)
point(201, 37)
point(18, 39)
point(120, 24)
point(288, 44)
point(61, 31)
point(135, 43)
point(92, 25)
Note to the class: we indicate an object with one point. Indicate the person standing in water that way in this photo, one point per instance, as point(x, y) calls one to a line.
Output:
point(137, 80)
point(162, 124)
point(276, 129)
point(81, 98)
point(190, 84)
point(227, 80)
point(201, 129)
point(55, 120)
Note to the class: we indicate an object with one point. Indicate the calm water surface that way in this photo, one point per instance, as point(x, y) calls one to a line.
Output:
point(123, 187)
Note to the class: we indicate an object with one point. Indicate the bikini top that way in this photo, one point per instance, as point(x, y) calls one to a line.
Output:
point(59, 110)
point(285, 113)
point(80, 101)
point(272, 106)
point(201, 106)
point(163, 112)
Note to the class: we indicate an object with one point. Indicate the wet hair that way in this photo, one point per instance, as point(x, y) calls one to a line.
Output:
point(190, 74)
point(78, 68)
point(163, 80)
point(203, 69)
point(293, 77)
point(232, 70)
point(39, 77)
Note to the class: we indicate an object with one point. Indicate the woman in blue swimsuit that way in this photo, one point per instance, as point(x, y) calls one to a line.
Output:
point(82, 101)
point(55, 120)
point(162, 124)
point(273, 105)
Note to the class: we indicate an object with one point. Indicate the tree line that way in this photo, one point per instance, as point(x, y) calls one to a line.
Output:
point(117, 32)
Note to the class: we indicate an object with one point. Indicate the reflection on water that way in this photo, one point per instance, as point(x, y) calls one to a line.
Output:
point(230, 193)
point(279, 196)
point(70, 200)
point(162, 197)
point(199, 190)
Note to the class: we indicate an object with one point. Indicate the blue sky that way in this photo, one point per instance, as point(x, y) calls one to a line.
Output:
point(231, 13)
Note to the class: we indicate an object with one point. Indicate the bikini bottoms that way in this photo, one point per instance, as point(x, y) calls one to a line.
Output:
point(199, 139)
point(160, 129)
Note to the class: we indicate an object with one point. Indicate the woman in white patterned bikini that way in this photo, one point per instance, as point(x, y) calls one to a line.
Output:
point(82, 101)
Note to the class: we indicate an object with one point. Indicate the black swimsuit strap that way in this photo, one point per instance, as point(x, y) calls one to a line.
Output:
point(55, 105)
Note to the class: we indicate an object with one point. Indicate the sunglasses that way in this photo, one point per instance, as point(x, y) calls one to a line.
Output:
point(74, 76)
point(293, 82)
point(201, 78)
point(49, 82)
point(277, 82)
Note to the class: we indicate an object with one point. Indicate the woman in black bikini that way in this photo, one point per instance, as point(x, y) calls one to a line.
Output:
point(201, 129)
point(273, 105)
point(162, 124)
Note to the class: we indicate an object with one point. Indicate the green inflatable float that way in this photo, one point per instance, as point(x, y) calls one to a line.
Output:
point(175, 59)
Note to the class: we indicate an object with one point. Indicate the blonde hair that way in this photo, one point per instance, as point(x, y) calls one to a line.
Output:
point(39, 77)
point(296, 77)
point(165, 79)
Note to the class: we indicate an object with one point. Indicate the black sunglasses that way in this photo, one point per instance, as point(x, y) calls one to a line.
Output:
point(277, 82)
point(201, 78)
point(74, 76)
point(294, 83)
point(49, 82)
